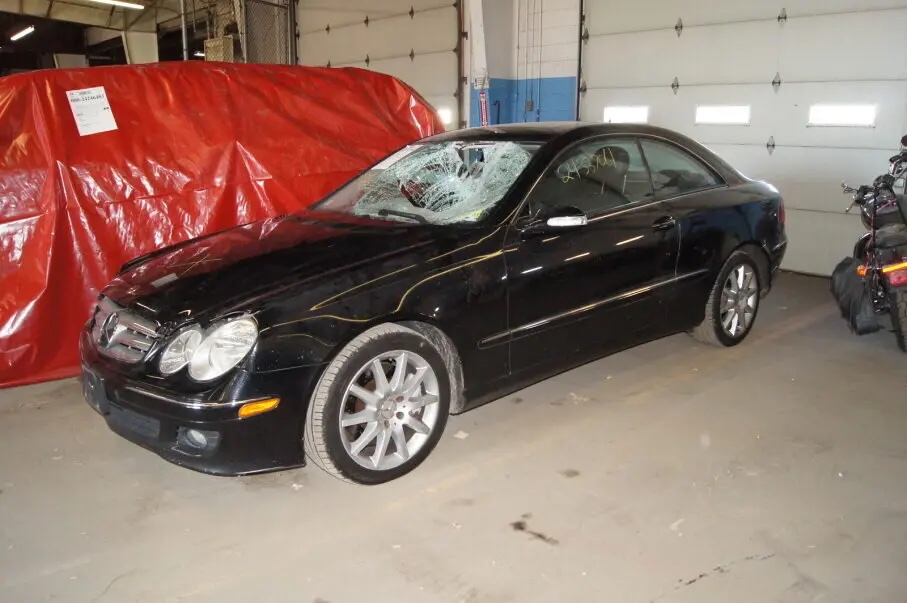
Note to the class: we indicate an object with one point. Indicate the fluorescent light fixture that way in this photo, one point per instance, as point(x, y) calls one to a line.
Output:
point(626, 115)
point(199, 54)
point(120, 3)
point(21, 34)
point(446, 115)
point(723, 115)
point(842, 115)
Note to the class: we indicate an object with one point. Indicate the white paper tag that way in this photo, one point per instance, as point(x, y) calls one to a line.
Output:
point(91, 110)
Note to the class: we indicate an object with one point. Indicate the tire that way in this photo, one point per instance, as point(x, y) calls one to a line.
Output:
point(898, 309)
point(386, 415)
point(712, 329)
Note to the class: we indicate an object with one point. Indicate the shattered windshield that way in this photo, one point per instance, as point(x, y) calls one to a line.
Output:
point(451, 182)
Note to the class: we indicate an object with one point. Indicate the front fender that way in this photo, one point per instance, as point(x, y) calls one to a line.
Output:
point(461, 292)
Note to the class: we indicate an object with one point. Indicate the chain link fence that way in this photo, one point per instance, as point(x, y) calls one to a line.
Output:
point(268, 35)
point(252, 31)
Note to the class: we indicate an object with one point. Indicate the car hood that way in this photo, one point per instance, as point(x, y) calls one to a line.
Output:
point(219, 273)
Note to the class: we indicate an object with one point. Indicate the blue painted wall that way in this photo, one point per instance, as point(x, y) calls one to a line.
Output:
point(554, 99)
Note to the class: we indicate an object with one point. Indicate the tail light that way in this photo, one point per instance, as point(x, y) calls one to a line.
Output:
point(781, 215)
point(896, 274)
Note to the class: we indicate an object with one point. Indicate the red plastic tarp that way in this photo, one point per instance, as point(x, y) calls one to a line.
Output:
point(197, 147)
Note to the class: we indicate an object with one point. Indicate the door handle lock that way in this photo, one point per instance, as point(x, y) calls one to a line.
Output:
point(665, 223)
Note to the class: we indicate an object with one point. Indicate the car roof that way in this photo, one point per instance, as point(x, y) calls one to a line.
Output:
point(561, 134)
point(545, 131)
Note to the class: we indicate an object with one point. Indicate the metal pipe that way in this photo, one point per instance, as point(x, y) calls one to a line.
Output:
point(579, 55)
point(183, 28)
point(461, 68)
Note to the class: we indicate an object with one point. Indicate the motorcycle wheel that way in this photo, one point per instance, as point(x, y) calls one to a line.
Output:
point(898, 308)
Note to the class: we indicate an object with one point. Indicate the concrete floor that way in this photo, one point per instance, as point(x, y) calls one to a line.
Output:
point(675, 472)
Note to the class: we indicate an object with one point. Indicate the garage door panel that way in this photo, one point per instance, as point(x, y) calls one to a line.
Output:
point(426, 32)
point(782, 115)
point(840, 47)
point(317, 17)
point(419, 49)
point(431, 71)
point(678, 112)
point(796, 171)
point(818, 241)
point(615, 61)
point(789, 115)
point(656, 14)
point(728, 53)
point(652, 14)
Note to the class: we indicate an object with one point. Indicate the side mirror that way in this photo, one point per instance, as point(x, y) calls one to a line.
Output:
point(557, 219)
point(567, 217)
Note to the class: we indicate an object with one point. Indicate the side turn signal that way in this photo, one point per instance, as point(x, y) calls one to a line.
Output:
point(250, 409)
point(894, 267)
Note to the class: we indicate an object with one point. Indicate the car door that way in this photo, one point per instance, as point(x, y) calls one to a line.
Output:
point(578, 292)
point(693, 194)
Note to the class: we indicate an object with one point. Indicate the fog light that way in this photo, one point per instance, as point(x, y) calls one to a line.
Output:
point(196, 438)
point(250, 409)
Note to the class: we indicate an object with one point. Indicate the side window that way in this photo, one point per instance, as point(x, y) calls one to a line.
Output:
point(674, 171)
point(594, 176)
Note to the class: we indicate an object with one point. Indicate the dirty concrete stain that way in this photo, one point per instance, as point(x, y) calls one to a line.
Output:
point(720, 569)
point(320, 600)
point(517, 400)
point(522, 526)
point(568, 473)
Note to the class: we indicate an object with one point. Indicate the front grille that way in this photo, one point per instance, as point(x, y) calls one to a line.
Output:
point(121, 334)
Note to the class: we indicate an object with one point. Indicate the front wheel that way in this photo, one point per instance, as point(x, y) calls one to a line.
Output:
point(380, 406)
point(733, 302)
point(898, 308)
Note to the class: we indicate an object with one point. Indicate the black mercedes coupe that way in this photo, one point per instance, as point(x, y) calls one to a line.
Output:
point(460, 268)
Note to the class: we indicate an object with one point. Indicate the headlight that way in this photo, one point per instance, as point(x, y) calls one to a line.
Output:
point(178, 352)
point(223, 348)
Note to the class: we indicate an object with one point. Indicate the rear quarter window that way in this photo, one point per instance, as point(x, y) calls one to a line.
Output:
point(675, 171)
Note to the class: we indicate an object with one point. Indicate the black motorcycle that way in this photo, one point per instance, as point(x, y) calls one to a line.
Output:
point(873, 282)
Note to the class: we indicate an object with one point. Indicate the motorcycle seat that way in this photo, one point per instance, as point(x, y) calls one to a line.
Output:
point(891, 236)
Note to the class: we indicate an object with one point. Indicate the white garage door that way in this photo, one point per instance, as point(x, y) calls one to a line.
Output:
point(729, 52)
point(415, 41)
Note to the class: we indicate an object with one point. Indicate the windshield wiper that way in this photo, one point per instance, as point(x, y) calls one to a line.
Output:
point(402, 214)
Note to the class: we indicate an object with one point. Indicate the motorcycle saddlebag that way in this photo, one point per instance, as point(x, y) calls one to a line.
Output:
point(849, 290)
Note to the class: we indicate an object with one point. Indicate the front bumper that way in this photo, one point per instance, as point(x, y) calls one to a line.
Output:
point(160, 420)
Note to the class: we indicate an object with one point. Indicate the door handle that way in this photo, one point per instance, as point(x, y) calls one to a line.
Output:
point(665, 223)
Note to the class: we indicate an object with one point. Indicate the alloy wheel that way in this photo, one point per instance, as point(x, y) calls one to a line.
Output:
point(389, 410)
point(739, 299)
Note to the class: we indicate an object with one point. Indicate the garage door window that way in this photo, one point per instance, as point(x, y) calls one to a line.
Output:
point(595, 177)
point(676, 172)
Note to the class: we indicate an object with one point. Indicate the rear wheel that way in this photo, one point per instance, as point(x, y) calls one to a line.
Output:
point(733, 302)
point(898, 305)
point(380, 407)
